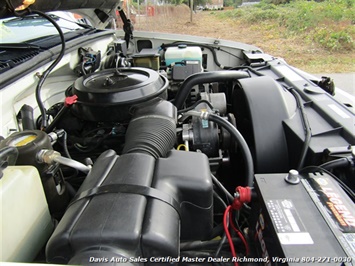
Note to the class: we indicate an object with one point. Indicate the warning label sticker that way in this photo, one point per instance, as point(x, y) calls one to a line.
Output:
point(288, 224)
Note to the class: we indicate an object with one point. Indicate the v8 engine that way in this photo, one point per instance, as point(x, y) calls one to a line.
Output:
point(140, 203)
point(164, 155)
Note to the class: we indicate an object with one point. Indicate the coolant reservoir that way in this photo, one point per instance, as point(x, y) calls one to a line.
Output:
point(25, 223)
point(183, 53)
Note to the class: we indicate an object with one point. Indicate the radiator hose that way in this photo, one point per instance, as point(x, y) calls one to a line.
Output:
point(205, 77)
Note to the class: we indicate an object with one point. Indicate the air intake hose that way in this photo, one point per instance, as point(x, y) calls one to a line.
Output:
point(152, 129)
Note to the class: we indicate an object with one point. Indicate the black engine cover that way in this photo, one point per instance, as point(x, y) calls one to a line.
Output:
point(130, 225)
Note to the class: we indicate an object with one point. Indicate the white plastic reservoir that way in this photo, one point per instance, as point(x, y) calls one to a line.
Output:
point(182, 53)
point(25, 223)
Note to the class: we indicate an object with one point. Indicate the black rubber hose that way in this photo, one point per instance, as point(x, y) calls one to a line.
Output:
point(196, 104)
point(218, 198)
point(9, 154)
point(218, 230)
point(49, 69)
point(306, 128)
point(65, 145)
point(222, 189)
point(204, 77)
point(341, 162)
point(52, 66)
point(248, 159)
point(57, 118)
point(28, 122)
point(150, 135)
point(152, 129)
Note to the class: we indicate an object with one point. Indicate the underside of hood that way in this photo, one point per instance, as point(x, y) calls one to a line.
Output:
point(6, 7)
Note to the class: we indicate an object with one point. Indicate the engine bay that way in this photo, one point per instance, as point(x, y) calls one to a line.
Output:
point(177, 153)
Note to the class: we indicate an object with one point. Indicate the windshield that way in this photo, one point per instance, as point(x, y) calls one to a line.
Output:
point(19, 30)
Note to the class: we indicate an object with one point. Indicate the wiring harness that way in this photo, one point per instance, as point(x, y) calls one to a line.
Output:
point(242, 196)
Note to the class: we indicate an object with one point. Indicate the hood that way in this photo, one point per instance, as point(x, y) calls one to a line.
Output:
point(88, 7)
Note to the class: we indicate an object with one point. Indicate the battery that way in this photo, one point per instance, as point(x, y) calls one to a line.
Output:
point(310, 222)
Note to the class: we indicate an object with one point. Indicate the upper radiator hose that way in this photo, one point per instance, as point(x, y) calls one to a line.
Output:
point(205, 77)
point(152, 129)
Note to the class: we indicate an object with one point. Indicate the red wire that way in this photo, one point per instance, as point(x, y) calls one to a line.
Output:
point(239, 233)
point(229, 237)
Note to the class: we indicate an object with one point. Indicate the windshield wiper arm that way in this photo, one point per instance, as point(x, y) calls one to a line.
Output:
point(19, 46)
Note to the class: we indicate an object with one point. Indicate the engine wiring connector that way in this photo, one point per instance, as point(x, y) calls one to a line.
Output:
point(242, 196)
